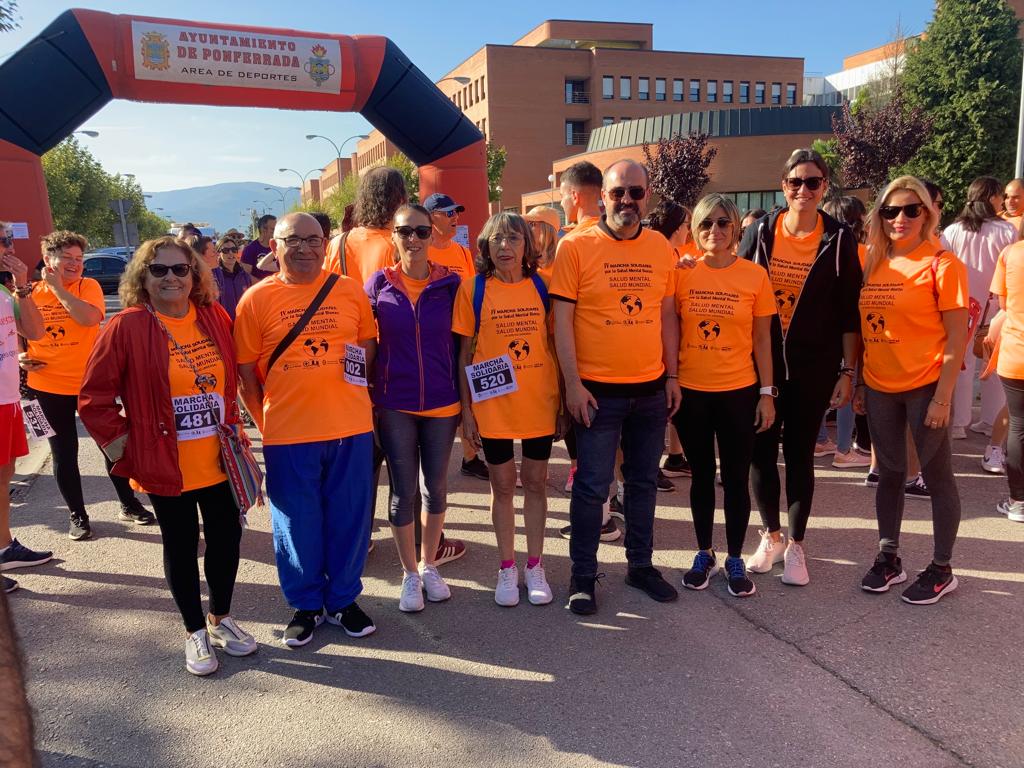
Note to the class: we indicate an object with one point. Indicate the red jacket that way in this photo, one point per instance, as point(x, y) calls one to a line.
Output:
point(130, 362)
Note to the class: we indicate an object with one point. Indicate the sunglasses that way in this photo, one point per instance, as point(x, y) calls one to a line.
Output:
point(294, 241)
point(812, 182)
point(890, 212)
point(228, 250)
point(635, 193)
point(449, 214)
point(422, 232)
point(722, 223)
point(161, 270)
point(6, 241)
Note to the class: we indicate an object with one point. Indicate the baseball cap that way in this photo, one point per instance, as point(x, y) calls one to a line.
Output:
point(441, 202)
point(544, 213)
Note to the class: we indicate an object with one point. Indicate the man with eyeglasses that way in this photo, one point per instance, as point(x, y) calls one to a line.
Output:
point(612, 285)
point(260, 247)
point(307, 393)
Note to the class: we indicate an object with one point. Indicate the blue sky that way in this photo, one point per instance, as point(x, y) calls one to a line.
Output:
point(170, 147)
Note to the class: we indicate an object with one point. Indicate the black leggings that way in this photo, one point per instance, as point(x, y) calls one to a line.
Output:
point(800, 406)
point(60, 412)
point(1014, 389)
point(728, 416)
point(222, 530)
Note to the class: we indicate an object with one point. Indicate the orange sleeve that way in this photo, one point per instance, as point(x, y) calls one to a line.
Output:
point(670, 283)
point(951, 282)
point(764, 299)
point(463, 321)
point(331, 261)
point(565, 280)
point(248, 340)
point(93, 294)
point(998, 286)
point(470, 265)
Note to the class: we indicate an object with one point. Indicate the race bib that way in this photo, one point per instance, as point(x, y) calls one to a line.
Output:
point(491, 378)
point(197, 416)
point(38, 427)
point(355, 365)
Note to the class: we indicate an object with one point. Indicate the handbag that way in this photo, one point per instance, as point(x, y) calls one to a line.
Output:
point(982, 330)
point(245, 478)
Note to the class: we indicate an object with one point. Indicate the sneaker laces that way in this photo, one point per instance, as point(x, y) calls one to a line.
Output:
point(767, 542)
point(507, 577)
point(932, 575)
point(411, 585)
point(735, 568)
point(918, 482)
point(703, 561)
point(202, 648)
point(796, 553)
point(882, 563)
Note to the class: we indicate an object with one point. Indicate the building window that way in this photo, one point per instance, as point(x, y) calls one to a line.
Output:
point(659, 89)
point(625, 119)
point(759, 93)
point(695, 90)
point(483, 86)
point(643, 88)
point(483, 127)
point(744, 92)
point(576, 93)
point(677, 90)
point(476, 90)
point(712, 90)
point(791, 93)
point(776, 93)
point(575, 133)
point(727, 91)
point(625, 88)
point(608, 87)
point(607, 121)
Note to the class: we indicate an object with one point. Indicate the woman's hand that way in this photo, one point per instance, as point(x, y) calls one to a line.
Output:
point(16, 267)
point(686, 262)
point(470, 433)
point(28, 364)
point(842, 392)
point(859, 405)
point(764, 416)
point(52, 278)
point(562, 425)
point(937, 416)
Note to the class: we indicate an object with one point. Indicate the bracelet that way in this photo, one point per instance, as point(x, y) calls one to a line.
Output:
point(671, 376)
point(944, 405)
point(858, 386)
point(23, 290)
point(848, 371)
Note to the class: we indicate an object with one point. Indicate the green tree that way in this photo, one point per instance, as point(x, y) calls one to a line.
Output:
point(965, 73)
point(496, 159)
point(409, 172)
point(345, 195)
point(829, 151)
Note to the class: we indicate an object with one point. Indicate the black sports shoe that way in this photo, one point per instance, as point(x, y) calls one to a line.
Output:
point(9, 585)
point(871, 479)
point(664, 484)
point(609, 531)
point(300, 629)
point(736, 573)
point(676, 465)
point(582, 594)
point(79, 527)
point(353, 621)
point(17, 555)
point(475, 468)
point(650, 580)
point(887, 570)
point(704, 567)
point(932, 584)
point(134, 512)
point(916, 489)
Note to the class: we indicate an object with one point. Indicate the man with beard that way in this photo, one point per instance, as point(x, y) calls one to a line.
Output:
point(612, 285)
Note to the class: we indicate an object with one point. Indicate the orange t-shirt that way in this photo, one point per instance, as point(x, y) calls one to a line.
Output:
point(455, 256)
point(862, 254)
point(513, 323)
point(584, 224)
point(618, 287)
point(901, 306)
point(414, 287)
point(716, 310)
point(1008, 282)
point(306, 398)
point(366, 251)
point(791, 260)
point(65, 345)
point(1015, 220)
point(689, 249)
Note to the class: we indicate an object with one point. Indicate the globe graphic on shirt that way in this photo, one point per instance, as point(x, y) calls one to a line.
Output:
point(784, 299)
point(315, 347)
point(630, 304)
point(875, 321)
point(206, 381)
point(55, 332)
point(519, 349)
point(709, 329)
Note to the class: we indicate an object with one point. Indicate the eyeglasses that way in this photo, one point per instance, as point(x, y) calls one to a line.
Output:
point(6, 241)
point(812, 182)
point(722, 223)
point(511, 238)
point(313, 241)
point(422, 232)
point(228, 250)
point(939, 203)
point(161, 270)
point(635, 193)
point(890, 212)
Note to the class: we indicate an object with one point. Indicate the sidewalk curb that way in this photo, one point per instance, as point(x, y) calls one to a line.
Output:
point(28, 468)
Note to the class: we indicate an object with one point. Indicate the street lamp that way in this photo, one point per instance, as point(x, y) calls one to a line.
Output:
point(90, 134)
point(337, 149)
point(302, 176)
point(460, 80)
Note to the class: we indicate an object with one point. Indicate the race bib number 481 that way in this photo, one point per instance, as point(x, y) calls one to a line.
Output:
point(491, 378)
point(194, 418)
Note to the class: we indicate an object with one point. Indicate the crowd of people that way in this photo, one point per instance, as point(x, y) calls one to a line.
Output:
point(626, 327)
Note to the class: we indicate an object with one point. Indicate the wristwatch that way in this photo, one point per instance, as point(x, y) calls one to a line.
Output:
point(771, 391)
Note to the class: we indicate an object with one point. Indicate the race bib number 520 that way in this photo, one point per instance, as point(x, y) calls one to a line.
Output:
point(491, 378)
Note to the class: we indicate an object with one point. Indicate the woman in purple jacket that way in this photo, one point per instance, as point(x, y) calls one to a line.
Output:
point(416, 396)
point(231, 279)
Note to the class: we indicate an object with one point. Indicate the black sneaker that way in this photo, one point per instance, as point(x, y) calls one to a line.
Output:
point(609, 531)
point(79, 527)
point(736, 573)
point(676, 465)
point(615, 509)
point(704, 567)
point(583, 595)
point(300, 629)
point(650, 580)
point(871, 479)
point(475, 467)
point(9, 585)
point(916, 489)
point(353, 621)
point(134, 512)
point(17, 555)
point(887, 570)
point(932, 584)
point(664, 484)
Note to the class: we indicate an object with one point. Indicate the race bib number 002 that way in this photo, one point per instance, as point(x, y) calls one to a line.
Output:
point(193, 417)
point(491, 378)
point(355, 365)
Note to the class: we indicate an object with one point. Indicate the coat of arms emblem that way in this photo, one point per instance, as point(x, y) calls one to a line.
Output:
point(156, 51)
point(319, 67)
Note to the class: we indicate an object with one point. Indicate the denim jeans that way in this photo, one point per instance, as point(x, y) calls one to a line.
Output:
point(639, 423)
point(844, 429)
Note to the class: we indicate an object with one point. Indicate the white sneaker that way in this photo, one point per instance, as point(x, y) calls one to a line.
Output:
point(507, 591)
point(569, 479)
point(199, 656)
point(982, 428)
point(232, 638)
point(537, 589)
point(411, 600)
point(957, 433)
point(994, 461)
point(769, 552)
point(824, 449)
point(1014, 510)
point(795, 570)
point(850, 459)
point(437, 590)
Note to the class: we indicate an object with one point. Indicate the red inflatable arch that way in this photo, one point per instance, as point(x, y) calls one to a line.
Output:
point(86, 58)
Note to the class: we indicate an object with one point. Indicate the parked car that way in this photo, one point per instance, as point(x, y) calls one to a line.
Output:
point(118, 250)
point(105, 269)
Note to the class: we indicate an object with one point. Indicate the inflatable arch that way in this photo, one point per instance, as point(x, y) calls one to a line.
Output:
point(86, 58)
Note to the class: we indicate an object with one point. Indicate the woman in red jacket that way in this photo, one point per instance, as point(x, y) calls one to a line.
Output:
point(169, 357)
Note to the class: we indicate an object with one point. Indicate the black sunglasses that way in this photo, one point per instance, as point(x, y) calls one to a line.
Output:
point(422, 232)
point(890, 212)
point(635, 193)
point(228, 250)
point(812, 182)
point(722, 222)
point(161, 270)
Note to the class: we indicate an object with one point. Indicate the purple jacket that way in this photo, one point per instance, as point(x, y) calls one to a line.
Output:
point(232, 285)
point(417, 352)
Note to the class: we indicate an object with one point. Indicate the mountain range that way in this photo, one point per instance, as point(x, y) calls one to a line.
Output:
point(222, 206)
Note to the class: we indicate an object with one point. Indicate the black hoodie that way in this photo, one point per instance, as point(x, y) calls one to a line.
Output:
point(827, 307)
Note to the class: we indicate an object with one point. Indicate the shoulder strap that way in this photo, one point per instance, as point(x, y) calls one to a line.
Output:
point(302, 321)
point(542, 290)
point(478, 300)
point(341, 252)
